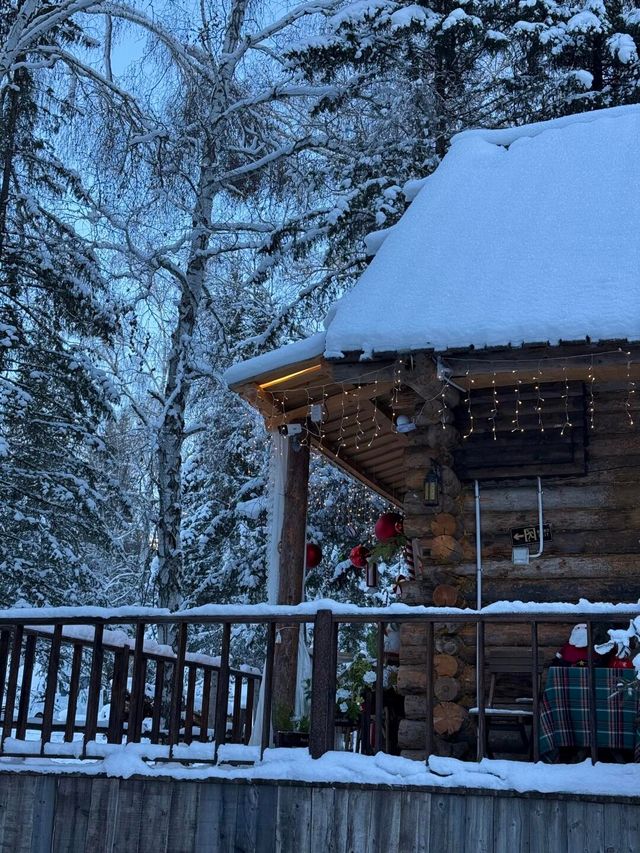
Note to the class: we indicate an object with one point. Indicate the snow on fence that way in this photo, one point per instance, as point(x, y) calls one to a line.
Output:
point(192, 703)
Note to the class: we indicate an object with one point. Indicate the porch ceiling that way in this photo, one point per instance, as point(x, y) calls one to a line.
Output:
point(359, 406)
point(361, 400)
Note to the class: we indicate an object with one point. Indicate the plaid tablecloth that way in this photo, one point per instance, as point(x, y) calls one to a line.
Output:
point(564, 711)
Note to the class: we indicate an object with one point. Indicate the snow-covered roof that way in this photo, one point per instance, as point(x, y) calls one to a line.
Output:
point(521, 235)
point(269, 362)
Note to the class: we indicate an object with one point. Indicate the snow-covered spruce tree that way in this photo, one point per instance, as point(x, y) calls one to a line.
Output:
point(570, 57)
point(407, 76)
point(56, 491)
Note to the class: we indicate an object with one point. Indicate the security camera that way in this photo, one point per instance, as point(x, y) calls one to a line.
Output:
point(290, 429)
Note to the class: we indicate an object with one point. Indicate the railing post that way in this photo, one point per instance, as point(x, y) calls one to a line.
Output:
point(535, 684)
point(177, 688)
point(25, 688)
point(204, 708)
point(482, 723)
point(157, 702)
point(248, 715)
point(323, 684)
point(222, 693)
point(136, 699)
point(379, 688)
point(52, 687)
point(93, 699)
point(12, 685)
point(118, 696)
point(267, 687)
point(591, 687)
point(74, 687)
point(429, 690)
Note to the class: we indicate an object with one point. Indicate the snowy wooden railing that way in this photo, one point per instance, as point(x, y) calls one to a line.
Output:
point(85, 640)
point(117, 666)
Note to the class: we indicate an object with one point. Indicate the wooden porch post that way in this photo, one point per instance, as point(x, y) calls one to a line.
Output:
point(291, 577)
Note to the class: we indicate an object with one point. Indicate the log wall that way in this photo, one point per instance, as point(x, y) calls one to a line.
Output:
point(594, 554)
point(73, 814)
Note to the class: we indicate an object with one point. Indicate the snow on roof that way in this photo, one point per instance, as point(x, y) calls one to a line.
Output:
point(270, 361)
point(520, 235)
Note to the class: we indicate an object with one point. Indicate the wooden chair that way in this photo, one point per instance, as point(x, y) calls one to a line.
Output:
point(509, 666)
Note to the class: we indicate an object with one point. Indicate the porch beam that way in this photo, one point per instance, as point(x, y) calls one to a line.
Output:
point(291, 577)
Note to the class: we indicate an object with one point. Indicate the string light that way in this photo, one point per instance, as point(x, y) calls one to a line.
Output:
point(518, 403)
point(468, 401)
point(443, 406)
point(494, 412)
point(359, 431)
point(539, 399)
point(375, 424)
point(631, 390)
point(565, 396)
point(592, 404)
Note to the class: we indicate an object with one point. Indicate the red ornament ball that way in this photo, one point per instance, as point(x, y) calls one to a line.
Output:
point(389, 524)
point(358, 557)
point(314, 555)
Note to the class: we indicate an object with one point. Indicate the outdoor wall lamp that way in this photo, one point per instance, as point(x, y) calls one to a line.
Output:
point(432, 486)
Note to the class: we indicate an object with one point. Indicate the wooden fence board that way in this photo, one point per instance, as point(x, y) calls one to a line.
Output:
point(511, 826)
point(155, 816)
point(103, 815)
point(209, 810)
point(322, 819)
point(629, 829)
point(228, 818)
point(359, 820)
point(415, 822)
point(72, 813)
point(246, 819)
point(585, 827)
point(447, 826)
point(16, 831)
point(182, 817)
point(548, 827)
point(266, 819)
point(43, 814)
point(385, 822)
point(130, 802)
point(293, 829)
point(479, 825)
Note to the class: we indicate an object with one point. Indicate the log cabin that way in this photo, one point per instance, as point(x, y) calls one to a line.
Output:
point(491, 345)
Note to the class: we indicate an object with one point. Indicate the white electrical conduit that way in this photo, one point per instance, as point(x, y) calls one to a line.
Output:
point(540, 523)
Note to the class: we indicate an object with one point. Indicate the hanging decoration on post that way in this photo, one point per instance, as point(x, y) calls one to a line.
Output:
point(389, 524)
point(313, 556)
point(358, 556)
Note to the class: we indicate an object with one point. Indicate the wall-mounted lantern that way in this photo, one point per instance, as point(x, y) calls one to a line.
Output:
point(432, 486)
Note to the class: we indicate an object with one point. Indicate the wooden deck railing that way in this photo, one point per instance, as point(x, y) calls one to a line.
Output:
point(100, 662)
point(140, 679)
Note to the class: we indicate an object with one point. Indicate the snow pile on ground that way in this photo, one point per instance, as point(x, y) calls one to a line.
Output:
point(347, 767)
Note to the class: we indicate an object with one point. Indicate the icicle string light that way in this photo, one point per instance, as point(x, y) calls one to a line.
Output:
point(591, 405)
point(565, 398)
point(516, 426)
point(494, 411)
point(468, 401)
point(631, 390)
